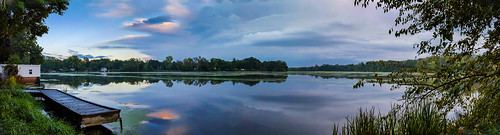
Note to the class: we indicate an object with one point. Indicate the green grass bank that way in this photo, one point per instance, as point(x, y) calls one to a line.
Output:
point(21, 114)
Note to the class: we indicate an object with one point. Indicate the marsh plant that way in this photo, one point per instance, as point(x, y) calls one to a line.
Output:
point(421, 118)
point(20, 113)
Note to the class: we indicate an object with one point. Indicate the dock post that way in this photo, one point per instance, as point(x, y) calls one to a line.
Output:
point(121, 125)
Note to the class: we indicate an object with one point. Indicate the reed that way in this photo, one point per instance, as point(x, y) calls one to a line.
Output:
point(420, 118)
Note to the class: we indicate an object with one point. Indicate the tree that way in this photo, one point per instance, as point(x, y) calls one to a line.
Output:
point(25, 17)
point(251, 63)
point(217, 64)
point(51, 63)
point(28, 50)
point(188, 64)
point(167, 63)
point(133, 64)
point(86, 63)
point(155, 64)
point(468, 77)
point(10, 70)
point(14, 59)
point(73, 62)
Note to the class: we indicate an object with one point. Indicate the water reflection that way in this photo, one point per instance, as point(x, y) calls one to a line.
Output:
point(74, 81)
point(161, 104)
point(163, 114)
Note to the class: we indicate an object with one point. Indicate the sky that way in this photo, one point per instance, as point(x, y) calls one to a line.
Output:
point(300, 32)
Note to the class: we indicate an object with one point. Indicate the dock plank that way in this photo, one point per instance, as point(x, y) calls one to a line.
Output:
point(73, 103)
point(84, 113)
point(91, 113)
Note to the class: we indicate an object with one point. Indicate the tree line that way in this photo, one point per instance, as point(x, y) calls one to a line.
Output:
point(73, 63)
point(373, 66)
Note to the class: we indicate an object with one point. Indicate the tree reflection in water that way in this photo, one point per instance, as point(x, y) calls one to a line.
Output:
point(88, 79)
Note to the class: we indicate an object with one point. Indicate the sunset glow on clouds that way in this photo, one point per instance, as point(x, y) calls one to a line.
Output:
point(303, 33)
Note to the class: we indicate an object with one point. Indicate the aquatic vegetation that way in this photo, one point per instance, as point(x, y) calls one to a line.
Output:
point(422, 118)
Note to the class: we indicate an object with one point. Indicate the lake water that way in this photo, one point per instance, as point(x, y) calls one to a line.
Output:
point(255, 105)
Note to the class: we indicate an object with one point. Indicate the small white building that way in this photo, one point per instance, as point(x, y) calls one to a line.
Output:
point(104, 69)
point(30, 73)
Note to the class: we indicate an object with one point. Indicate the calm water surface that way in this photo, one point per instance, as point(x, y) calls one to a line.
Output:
point(292, 105)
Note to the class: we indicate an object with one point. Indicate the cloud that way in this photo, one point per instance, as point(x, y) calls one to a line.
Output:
point(58, 56)
point(118, 11)
point(79, 55)
point(175, 8)
point(72, 52)
point(299, 32)
point(156, 20)
point(220, 1)
point(295, 39)
point(123, 42)
point(160, 25)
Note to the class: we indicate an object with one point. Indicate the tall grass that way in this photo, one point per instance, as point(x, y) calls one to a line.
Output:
point(21, 114)
point(415, 119)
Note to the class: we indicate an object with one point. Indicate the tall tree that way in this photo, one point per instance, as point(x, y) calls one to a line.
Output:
point(167, 63)
point(73, 62)
point(469, 75)
point(28, 50)
point(25, 17)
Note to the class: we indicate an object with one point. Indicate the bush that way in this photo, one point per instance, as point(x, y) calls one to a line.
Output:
point(10, 70)
point(21, 114)
point(13, 82)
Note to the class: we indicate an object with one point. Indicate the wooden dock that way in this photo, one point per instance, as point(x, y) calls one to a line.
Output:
point(77, 111)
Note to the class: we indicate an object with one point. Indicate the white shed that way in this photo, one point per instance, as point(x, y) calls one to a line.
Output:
point(30, 73)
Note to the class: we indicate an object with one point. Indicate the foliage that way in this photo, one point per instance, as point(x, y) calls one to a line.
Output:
point(467, 34)
point(10, 70)
point(421, 119)
point(187, 78)
point(12, 82)
point(370, 66)
point(28, 50)
point(20, 114)
point(73, 62)
point(187, 64)
point(25, 19)
point(14, 59)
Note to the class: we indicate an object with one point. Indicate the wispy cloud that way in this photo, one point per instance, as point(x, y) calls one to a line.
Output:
point(160, 24)
point(79, 55)
point(175, 8)
point(113, 9)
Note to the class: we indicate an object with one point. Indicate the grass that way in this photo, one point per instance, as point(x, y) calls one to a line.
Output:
point(20, 113)
point(419, 119)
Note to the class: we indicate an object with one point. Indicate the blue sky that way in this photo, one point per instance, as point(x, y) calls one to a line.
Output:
point(300, 32)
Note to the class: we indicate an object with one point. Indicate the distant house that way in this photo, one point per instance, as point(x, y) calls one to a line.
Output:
point(30, 73)
point(104, 69)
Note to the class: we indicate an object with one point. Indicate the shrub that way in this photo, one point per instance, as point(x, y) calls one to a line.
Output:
point(12, 82)
point(10, 70)
point(21, 114)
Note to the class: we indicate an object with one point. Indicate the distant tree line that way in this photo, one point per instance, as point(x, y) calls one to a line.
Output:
point(73, 63)
point(372, 66)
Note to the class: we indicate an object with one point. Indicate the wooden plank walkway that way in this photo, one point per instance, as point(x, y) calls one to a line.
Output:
point(77, 105)
point(79, 111)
